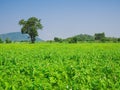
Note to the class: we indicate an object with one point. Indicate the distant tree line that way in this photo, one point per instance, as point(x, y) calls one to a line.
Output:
point(98, 37)
point(7, 40)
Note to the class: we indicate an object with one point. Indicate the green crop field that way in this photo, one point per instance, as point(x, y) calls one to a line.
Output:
point(44, 66)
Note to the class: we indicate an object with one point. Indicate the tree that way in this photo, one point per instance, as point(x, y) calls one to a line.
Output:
point(100, 36)
point(56, 39)
point(73, 40)
point(7, 40)
point(30, 27)
point(118, 39)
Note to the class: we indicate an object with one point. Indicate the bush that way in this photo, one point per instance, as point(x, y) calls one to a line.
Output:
point(56, 39)
point(1, 40)
point(8, 40)
point(118, 39)
point(73, 40)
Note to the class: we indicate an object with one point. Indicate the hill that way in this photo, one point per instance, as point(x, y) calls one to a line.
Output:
point(82, 37)
point(97, 37)
point(17, 36)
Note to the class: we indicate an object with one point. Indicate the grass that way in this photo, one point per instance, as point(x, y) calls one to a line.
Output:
point(44, 66)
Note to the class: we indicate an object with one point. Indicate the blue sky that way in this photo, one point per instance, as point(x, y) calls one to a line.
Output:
point(63, 18)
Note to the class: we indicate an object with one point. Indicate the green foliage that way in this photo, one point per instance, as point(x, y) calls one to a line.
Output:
point(84, 37)
point(1, 40)
point(7, 40)
point(100, 36)
point(30, 27)
point(79, 38)
point(111, 39)
point(72, 40)
point(118, 39)
point(86, 66)
point(56, 39)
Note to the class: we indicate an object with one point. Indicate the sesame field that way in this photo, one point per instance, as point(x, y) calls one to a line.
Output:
point(45, 66)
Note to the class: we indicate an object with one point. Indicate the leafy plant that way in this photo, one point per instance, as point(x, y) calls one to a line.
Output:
point(88, 66)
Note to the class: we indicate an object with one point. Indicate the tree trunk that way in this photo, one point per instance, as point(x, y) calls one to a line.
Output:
point(32, 39)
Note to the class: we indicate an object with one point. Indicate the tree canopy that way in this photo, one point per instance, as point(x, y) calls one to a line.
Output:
point(30, 27)
point(99, 36)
